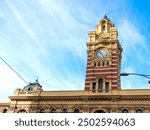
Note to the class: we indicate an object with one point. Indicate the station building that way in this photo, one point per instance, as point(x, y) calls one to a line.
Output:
point(102, 92)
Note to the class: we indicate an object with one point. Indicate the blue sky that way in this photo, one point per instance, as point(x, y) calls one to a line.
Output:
point(47, 39)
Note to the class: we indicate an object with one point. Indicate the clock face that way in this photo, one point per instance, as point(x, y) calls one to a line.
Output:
point(102, 53)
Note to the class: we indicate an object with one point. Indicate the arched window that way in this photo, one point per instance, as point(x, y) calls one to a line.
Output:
point(53, 110)
point(76, 111)
point(103, 28)
point(42, 110)
point(100, 84)
point(125, 111)
point(107, 87)
point(99, 111)
point(22, 111)
point(5, 110)
point(64, 111)
point(93, 87)
point(139, 111)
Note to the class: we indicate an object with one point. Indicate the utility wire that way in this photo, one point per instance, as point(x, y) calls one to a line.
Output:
point(13, 70)
point(23, 80)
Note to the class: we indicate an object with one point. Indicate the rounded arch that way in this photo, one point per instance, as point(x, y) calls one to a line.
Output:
point(42, 110)
point(5, 110)
point(22, 111)
point(53, 110)
point(103, 28)
point(125, 111)
point(76, 111)
point(99, 111)
point(139, 111)
point(64, 110)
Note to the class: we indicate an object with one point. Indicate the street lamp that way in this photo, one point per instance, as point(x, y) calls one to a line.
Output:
point(143, 75)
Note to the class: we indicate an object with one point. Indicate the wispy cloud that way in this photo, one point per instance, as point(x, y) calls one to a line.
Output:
point(57, 54)
point(25, 26)
point(135, 52)
point(131, 35)
point(47, 38)
point(9, 81)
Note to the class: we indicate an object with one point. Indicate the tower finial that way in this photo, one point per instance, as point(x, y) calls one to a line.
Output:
point(105, 16)
point(37, 79)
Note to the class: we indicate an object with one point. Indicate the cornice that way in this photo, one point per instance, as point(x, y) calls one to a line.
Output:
point(83, 98)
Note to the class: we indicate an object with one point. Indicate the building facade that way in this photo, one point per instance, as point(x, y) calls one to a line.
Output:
point(102, 92)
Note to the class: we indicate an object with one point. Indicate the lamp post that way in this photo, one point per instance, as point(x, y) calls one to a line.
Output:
point(143, 75)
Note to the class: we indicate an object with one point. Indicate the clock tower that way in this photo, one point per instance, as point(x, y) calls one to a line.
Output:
point(104, 58)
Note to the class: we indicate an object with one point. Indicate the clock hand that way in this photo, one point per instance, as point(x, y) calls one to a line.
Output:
point(102, 55)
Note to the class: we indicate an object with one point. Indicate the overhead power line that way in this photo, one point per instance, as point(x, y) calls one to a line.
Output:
point(14, 71)
point(39, 94)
